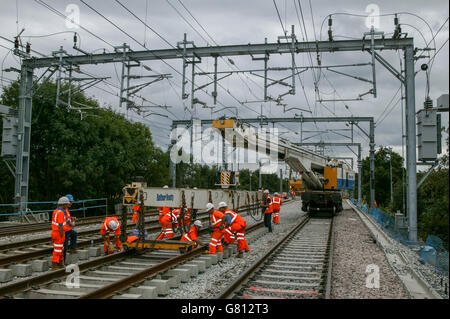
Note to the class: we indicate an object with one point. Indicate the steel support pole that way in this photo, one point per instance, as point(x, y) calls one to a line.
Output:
point(23, 139)
point(372, 164)
point(411, 142)
point(390, 175)
point(172, 164)
point(260, 179)
point(359, 174)
point(281, 181)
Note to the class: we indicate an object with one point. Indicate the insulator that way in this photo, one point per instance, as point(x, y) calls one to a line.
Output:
point(330, 35)
point(330, 22)
point(428, 104)
point(395, 20)
point(75, 39)
point(16, 43)
point(28, 48)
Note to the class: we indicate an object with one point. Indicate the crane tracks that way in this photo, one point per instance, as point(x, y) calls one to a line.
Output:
point(297, 267)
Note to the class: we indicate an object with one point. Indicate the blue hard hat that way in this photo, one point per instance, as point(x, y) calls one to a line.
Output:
point(70, 197)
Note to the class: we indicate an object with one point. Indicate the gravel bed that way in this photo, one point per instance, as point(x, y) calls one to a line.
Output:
point(354, 250)
point(210, 283)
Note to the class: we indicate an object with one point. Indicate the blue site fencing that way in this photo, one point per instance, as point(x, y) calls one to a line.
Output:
point(77, 206)
point(432, 253)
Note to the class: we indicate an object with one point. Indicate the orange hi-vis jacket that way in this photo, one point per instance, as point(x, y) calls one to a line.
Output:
point(237, 226)
point(192, 235)
point(176, 212)
point(236, 219)
point(216, 219)
point(58, 219)
point(187, 216)
point(276, 203)
point(269, 209)
point(135, 215)
point(162, 211)
point(105, 227)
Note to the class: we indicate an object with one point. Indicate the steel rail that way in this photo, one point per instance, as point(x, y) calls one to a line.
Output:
point(236, 284)
point(56, 274)
point(328, 283)
point(27, 228)
point(130, 281)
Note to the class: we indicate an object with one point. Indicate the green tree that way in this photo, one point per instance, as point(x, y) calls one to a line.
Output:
point(92, 157)
point(382, 177)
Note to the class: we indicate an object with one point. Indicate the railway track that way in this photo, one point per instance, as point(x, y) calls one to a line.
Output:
point(13, 230)
point(145, 275)
point(31, 257)
point(298, 266)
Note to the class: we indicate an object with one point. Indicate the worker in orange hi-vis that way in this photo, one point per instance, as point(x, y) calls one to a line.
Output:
point(58, 235)
point(187, 216)
point(167, 223)
point(111, 226)
point(192, 235)
point(228, 235)
point(276, 203)
point(135, 215)
point(218, 229)
point(237, 225)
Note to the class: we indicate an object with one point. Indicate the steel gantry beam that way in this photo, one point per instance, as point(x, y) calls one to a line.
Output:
point(265, 49)
point(227, 50)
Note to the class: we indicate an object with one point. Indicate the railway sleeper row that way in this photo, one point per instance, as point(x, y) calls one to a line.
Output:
point(297, 269)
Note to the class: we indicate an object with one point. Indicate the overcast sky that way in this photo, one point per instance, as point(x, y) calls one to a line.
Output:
point(224, 22)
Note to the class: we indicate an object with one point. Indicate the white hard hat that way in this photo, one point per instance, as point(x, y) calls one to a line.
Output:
point(198, 223)
point(222, 204)
point(63, 200)
point(209, 206)
point(266, 191)
point(195, 187)
point(113, 224)
point(277, 194)
point(165, 186)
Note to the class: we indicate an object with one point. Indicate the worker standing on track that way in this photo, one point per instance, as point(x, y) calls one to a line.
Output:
point(218, 229)
point(167, 221)
point(70, 233)
point(267, 210)
point(111, 226)
point(276, 203)
point(192, 235)
point(135, 214)
point(237, 225)
point(57, 235)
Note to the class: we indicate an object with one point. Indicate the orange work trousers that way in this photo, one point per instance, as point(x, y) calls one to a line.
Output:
point(228, 236)
point(58, 247)
point(216, 241)
point(166, 231)
point(276, 216)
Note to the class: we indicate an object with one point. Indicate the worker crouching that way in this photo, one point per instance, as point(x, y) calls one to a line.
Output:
point(167, 222)
point(192, 235)
point(236, 225)
point(111, 226)
point(57, 235)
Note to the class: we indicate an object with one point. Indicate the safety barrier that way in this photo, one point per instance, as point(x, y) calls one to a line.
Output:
point(46, 208)
point(432, 253)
